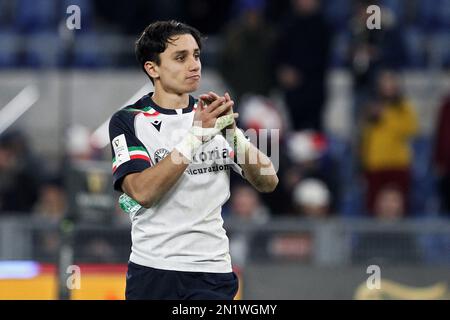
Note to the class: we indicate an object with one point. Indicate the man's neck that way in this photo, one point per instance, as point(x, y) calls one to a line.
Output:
point(170, 100)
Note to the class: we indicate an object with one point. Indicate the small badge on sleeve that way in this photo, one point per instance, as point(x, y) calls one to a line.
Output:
point(120, 149)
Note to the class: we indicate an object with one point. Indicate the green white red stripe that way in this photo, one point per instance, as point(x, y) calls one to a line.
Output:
point(135, 153)
point(147, 111)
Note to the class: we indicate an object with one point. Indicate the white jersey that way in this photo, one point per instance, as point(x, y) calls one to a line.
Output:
point(184, 230)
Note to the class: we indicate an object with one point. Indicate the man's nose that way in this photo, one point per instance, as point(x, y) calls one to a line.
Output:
point(194, 64)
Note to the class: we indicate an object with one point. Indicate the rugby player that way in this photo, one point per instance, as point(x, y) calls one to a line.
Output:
point(170, 155)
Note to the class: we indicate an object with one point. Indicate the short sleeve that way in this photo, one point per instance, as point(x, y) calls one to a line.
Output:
point(129, 154)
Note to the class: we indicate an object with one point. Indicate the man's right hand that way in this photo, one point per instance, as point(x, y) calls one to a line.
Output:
point(206, 115)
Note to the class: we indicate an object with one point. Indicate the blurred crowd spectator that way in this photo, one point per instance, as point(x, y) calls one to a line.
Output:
point(246, 205)
point(300, 61)
point(372, 49)
point(21, 174)
point(388, 127)
point(247, 45)
point(312, 199)
point(51, 204)
point(441, 156)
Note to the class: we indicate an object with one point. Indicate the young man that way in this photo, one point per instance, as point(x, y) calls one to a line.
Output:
point(170, 156)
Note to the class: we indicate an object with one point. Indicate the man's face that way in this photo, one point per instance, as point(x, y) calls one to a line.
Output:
point(305, 6)
point(389, 205)
point(388, 84)
point(179, 70)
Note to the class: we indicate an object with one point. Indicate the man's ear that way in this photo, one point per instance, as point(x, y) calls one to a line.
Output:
point(152, 69)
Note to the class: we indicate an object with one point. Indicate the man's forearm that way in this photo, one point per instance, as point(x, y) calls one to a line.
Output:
point(148, 186)
point(258, 169)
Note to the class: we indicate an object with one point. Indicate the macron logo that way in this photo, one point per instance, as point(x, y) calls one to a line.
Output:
point(157, 124)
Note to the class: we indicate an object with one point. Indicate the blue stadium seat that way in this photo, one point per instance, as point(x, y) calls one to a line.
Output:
point(95, 50)
point(351, 199)
point(440, 45)
point(337, 13)
point(397, 7)
point(443, 15)
point(36, 16)
point(423, 182)
point(6, 12)
point(42, 50)
point(9, 48)
point(87, 53)
point(425, 13)
point(415, 47)
point(434, 15)
point(339, 49)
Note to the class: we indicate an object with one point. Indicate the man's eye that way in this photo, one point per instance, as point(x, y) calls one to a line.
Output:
point(181, 58)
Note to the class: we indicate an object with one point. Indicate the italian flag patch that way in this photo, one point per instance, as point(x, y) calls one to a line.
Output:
point(132, 154)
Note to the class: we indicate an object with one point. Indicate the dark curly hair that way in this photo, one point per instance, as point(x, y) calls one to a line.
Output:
point(157, 36)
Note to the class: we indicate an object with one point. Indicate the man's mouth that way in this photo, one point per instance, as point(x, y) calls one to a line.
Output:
point(194, 77)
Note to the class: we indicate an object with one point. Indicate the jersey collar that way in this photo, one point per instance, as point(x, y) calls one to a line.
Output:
point(149, 102)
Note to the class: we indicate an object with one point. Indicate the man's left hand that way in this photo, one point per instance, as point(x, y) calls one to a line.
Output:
point(212, 96)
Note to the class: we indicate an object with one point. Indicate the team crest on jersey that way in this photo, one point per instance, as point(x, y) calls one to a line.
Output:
point(160, 154)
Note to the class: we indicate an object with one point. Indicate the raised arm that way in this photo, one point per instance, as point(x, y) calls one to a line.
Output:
point(149, 185)
point(257, 167)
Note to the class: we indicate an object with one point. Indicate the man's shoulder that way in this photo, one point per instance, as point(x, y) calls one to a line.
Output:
point(129, 112)
point(122, 117)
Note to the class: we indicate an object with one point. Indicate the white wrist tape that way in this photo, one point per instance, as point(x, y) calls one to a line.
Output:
point(224, 121)
point(240, 140)
point(197, 136)
point(209, 133)
point(241, 145)
point(189, 145)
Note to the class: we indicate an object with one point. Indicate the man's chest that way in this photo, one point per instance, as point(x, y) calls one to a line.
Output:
point(161, 134)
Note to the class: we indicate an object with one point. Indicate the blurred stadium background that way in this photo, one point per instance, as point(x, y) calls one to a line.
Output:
point(340, 94)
